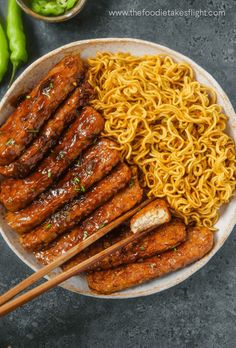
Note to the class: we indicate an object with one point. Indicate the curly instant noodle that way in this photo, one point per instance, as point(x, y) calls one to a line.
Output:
point(170, 126)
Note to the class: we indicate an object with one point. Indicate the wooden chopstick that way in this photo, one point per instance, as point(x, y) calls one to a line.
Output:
point(59, 261)
point(83, 266)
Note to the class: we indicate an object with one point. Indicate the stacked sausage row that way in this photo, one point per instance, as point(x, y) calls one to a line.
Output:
point(63, 183)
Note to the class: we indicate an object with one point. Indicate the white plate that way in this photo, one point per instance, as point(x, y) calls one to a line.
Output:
point(89, 48)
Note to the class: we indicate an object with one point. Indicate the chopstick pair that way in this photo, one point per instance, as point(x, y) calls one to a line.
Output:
point(6, 307)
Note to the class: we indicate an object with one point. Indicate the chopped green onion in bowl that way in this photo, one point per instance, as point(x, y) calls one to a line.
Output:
point(52, 7)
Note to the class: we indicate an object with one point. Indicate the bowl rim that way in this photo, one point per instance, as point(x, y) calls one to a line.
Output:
point(193, 268)
point(53, 19)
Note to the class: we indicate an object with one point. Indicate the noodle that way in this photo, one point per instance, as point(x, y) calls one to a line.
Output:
point(170, 126)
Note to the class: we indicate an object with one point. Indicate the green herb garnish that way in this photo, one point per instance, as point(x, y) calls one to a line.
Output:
point(10, 142)
point(82, 188)
point(102, 225)
point(142, 247)
point(27, 97)
point(85, 235)
point(76, 181)
point(48, 226)
point(49, 173)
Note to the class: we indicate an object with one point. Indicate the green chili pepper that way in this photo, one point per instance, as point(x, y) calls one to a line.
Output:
point(16, 36)
point(4, 54)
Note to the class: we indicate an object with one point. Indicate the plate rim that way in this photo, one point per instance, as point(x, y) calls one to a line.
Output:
point(193, 268)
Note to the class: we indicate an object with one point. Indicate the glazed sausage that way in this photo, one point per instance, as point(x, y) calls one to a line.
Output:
point(95, 164)
point(78, 209)
point(199, 242)
point(22, 126)
point(163, 238)
point(16, 194)
point(123, 201)
point(49, 135)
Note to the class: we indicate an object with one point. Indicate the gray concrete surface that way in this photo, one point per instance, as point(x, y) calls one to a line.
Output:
point(200, 312)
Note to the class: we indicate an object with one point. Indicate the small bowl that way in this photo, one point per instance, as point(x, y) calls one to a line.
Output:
point(24, 4)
